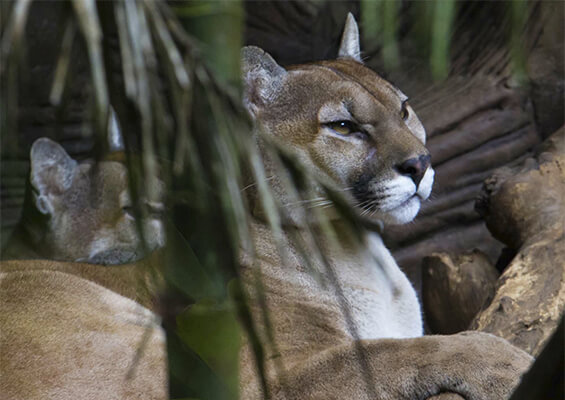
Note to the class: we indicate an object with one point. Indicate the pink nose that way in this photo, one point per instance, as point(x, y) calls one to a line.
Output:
point(415, 168)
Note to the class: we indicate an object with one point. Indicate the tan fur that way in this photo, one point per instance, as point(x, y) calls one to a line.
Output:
point(350, 331)
point(315, 354)
point(64, 337)
point(73, 330)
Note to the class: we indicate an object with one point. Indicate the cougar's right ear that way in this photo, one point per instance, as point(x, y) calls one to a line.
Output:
point(349, 46)
point(52, 172)
point(262, 78)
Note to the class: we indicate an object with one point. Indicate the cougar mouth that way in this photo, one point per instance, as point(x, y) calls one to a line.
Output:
point(114, 256)
point(407, 202)
point(405, 212)
point(394, 202)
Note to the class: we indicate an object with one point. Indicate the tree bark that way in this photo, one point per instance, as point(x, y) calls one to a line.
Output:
point(524, 207)
point(526, 211)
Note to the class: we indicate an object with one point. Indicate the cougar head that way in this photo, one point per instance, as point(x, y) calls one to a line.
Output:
point(83, 211)
point(345, 122)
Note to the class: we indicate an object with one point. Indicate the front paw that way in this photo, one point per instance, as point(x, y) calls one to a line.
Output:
point(489, 366)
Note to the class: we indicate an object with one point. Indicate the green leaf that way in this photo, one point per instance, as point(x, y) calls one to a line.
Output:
point(444, 11)
point(211, 330)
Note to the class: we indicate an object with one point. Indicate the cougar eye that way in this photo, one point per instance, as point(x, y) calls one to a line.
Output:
point(404, 112)
point(343, 127)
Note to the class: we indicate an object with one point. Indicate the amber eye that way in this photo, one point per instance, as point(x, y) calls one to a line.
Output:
point(343, 127)
point(404, 112)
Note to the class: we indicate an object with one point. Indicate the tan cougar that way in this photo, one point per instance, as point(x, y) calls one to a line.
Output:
point(80, 212)
point(353, 330)
point(74, 330)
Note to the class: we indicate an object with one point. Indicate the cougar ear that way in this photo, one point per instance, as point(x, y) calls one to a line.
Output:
point(349, 46)
point(262, 78)
point(115, 137)
point(52, 172)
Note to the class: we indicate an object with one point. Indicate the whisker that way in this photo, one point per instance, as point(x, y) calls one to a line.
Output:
point(321, 204)
point(364, 203)
point(255, 183)
point(306, 201)
point(367, 210)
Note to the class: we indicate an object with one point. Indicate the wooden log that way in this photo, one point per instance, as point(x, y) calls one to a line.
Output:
point(495, 153)
point(525, 207)
point(475, 131)
point(527, 212)
point(480, 176)
point(544, 380)
point(522, 202)
point(455, 102)
point(457, 214)
point(454, 239)
point(454, 288)
point(545, 69)
point(555, 144)
point(456, 197)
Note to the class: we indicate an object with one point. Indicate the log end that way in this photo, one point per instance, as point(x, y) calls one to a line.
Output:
point(454, 288)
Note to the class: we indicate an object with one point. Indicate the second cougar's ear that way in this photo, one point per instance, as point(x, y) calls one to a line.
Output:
point(52, 172)
point(262, 78)
point(116, 147)
point(349, 46)
point(115, 138)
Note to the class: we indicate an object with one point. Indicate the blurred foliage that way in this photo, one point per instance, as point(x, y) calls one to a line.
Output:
point(379, 19)
point(519, 15)
point(444, 14)
point(10, 54)
point(178, 107)
point(433, 27)
point(220, 47)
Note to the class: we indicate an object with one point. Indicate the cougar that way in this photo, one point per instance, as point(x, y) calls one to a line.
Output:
point(80, 212)
point(72, 329)
point(351, 328)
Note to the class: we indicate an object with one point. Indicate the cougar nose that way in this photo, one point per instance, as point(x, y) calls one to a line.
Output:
point(415, 167)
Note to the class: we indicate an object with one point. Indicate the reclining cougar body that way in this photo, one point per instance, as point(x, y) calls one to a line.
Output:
point(351, 331)
point(71, 330)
